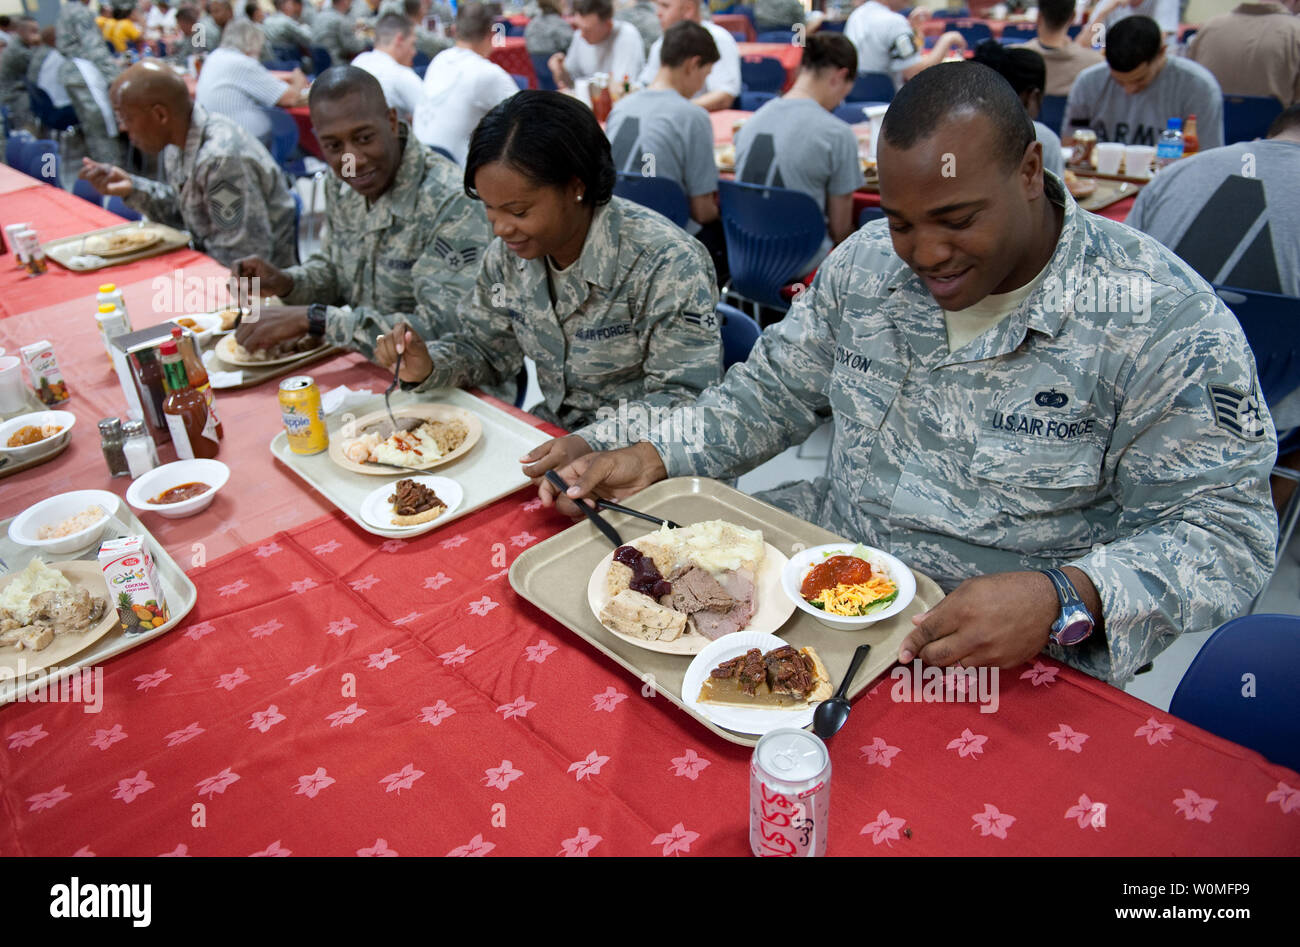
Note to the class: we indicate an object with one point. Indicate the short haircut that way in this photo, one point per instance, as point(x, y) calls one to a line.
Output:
point(5, 22)
point(925, 102)
point(411, 7)
point(1056, 13)
point(390, 26)
point(553, 7)
point(251, 8)
point(684, 40)
point(473, 21)
point(338, 82)
point(245, 36)
point(1023, 68)
point(602, 8)
point(1131, 42)
point(1290, 118)
point(187, 14)
point(548, 137)
point(829, 51)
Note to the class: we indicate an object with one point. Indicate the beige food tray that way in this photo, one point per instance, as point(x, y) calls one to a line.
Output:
point(488, 472)
point(255, 375)
point(62, 250)
point(177, 587)
point(553, 576)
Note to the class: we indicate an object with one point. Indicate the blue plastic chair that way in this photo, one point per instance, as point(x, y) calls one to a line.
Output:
point(762, 74)
point(15, 144)
point(774, 36)
point(1052, 112)
point(545, 81)
point(772, 233)
point(747, 11)
point(1210, 695)
point(320, 59)
point(872, 87)
point(1247, 117)
point(854, 112)
point(282, 65)
point(739, 333)
point(974, 32)
point(961, 13)
point(753, 101)
point(868, 215)
point(521, 81)
point(833, 26)
point(43, 108)
point(1271, 324)
point(86, 191)
point(284, 136)
point(659, 194)
point(287, 53)
point(41, 161)
point(117, 206)
point(1013, 33)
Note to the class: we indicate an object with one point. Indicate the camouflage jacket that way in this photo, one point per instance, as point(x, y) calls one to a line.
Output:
point(1124, 436)
point(180, 50)
point(335, 32)
point(547, 35)
point(226, 190)
point(14, 61)
point(633, 320)
point(410, 256)
point(283, 30)
point(78, 37)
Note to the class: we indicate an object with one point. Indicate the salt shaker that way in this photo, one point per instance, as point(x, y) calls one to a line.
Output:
point(141, 453)
point(110, 440)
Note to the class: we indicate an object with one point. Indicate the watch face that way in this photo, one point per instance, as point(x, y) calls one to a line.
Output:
point(1074, 630)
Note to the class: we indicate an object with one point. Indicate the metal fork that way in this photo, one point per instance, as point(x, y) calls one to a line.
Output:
point(397, 369)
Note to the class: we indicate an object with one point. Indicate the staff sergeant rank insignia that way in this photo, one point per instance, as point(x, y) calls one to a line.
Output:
point(1237, 411)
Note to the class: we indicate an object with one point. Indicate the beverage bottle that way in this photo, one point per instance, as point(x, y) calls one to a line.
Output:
point(193, 430)
point(1170, 146)
point(112, 323)
point(198, 374)
point(1191, 141)
point(109, 293)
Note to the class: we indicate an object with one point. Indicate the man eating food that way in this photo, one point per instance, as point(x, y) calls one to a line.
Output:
point(1045, 410)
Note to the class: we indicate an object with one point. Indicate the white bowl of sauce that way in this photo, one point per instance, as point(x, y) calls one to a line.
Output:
point(179, 489)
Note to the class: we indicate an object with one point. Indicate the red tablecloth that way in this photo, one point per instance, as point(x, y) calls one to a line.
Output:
point(335, 694)
point(510, 54)
point(736, 23)
point(787, 54)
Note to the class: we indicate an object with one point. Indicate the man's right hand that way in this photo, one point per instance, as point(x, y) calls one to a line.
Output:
point(273, 280)
point(273, 325)
point(612, 474)
point(106, 178)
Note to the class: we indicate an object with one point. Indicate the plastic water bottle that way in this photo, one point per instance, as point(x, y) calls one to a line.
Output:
point(1170, 146)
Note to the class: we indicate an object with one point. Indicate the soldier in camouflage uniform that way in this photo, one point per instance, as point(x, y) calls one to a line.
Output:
point(404, 241)
point(14, 62)
point(285, 28)
point(78, 37)
point(335, 30)
point(211, 26)
point(626, 314)
point(642, 15)
point(548, 33)
point(180, 50)
point(430, 44)
point(220, 183)
point(1121, 441)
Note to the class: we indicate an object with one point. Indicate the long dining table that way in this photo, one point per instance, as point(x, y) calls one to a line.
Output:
point(336, 693)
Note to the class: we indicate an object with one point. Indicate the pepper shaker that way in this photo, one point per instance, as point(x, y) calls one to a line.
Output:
point(110, 440)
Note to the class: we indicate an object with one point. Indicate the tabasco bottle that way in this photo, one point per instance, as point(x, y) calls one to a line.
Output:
point(1190, 140)
point(197, 374)
point(193, 429)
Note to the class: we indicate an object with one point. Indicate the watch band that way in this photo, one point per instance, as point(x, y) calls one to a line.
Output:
point(316, 314)
point(1064, 587)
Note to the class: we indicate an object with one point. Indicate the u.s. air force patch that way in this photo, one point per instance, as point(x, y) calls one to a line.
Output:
point(453, 257)
point(1237, 411)
point(226, 205)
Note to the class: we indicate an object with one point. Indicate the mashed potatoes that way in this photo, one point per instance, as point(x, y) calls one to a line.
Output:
point(36, 578)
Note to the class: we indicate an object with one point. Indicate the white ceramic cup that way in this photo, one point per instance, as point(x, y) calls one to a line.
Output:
point(1109, 155)
point(1137, 160)
point(13, 391)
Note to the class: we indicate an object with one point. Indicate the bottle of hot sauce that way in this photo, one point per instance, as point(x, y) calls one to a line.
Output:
point(192, 428)
point(1190, 140)
point(197, 374)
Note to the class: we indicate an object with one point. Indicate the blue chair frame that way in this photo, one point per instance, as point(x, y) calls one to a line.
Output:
point(1013, 33)
point(545, 81)
point(1247, 117)
point(659, 194)
point(772, 233)
point(762, 74)
point(753, 101)
point(1052, 112)
point(117, 206)
point(872, 87)
point(739, 333)
point(86, 191)
point(320, 59)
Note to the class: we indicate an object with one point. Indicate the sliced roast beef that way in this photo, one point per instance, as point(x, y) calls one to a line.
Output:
point(695, 590)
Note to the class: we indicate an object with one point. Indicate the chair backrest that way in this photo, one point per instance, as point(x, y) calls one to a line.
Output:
point(960, 13)
point(41, 160)
point(832, 26)
point(772, 233)
point(1242, 686)
point(1018, 33)
point(872, 87)
point(320, 59)
point(421, 59)
point(774, 36)
point(521, 81)
point(45, 112)
point(973, 31)
point(868, 215)
point(284, 134)
point(762, 74)
point(282, 65)
point(1272, 326)
point(753, 101)
point(545, 81)
point(15, 144)
point(854, 112)
point(739, 333)
point(117, 206)
point(1052, 112)
point(289, 53)
point(86, 191)
point(659, 194)
point(1247, 117)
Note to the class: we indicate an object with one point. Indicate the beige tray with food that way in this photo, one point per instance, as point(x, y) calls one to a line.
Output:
point(178, 590)
point(554, 574)
point(66, 641)
point(487, 471)
point(259, 372)
point(121, 243)
point(11, 465)
point(377, 421)
point(232, 353)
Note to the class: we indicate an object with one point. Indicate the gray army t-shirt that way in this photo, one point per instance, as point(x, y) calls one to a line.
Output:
point(1182, 88)
point(795, 143)
point(657, 132)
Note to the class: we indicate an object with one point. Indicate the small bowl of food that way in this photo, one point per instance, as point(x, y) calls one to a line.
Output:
point(848, 586)
point(204, 325)
point(67, 523)
point(179, 489)
point(31, 435)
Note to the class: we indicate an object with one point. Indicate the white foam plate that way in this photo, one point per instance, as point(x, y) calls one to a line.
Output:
point(378, 512)
point(737, 718)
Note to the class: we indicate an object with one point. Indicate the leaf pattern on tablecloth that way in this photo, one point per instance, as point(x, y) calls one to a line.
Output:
point(457, 656)
point(180, 851)
point(218, 784)
point(22, 739)
point(1088, 813)
point(106, 738)
point(474, 848)
point(341, 626)
point(266, 629)
point(232, 679)
point(1041, 673)
point(992, 822)
point(518, 707)
point(1064, 737)
point(1195, 807)
point(608, 699)
point(1155, 731)
point(233, 588)
point(48, 800)
point(522, 539)
point(365, 583)
point(1286, 797)
point(482, 606)
point(381, 659)
point(327, 547)
point(311, 784)
point(264, 720)
point(435, 582)
point(880, 753)
point(500, 777)
point(147, 681)
point(455, 542)
point(404, 778)
point(677, 840)
point(274, 850)
point(590, 766)
point(305, 584)
point(269, 549)
point(297, 677)
point(349, 714)
point(202, 629)
point(436, 714)
point(885, 829)
point(379, 850)
point(392, 545)
point(128, 789)
point(580, 845)
point(968, 744)
point(690, 764)
point(540, 651)
point(407, 618)
point(177, 737)
point(84, 852)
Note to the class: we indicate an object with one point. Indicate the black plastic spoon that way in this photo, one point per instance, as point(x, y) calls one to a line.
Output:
point(831, 714)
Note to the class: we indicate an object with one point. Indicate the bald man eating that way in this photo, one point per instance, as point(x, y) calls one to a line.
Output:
point(220, 183)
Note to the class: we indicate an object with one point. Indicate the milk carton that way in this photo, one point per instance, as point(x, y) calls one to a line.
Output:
point(133, 584)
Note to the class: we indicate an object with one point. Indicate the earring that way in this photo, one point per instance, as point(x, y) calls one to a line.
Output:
point(579, 198)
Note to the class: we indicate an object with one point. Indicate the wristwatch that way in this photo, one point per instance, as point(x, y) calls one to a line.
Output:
point(1075, 622)
point(316, 320)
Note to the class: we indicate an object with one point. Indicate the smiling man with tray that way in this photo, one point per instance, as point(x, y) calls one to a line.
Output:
point(1080, 479)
